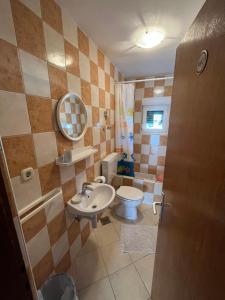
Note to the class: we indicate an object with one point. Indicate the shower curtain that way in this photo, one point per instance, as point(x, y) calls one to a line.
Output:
point(124, 109)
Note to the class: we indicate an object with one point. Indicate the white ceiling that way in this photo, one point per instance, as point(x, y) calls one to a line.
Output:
point(112, 24)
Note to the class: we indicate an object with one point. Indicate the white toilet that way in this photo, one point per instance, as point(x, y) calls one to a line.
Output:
point(129, 197)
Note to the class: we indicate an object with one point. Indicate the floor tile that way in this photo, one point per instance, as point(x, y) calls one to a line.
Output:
point(101, 290)
point(117, 226)
point(90, 268)
point(147, 217)
point(105, 235)
point(127, 285)
point(145, 267)
point(114, 258)
point(90, 245)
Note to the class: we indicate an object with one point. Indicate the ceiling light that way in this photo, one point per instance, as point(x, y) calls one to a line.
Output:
point(159, 91)
point(151, 39)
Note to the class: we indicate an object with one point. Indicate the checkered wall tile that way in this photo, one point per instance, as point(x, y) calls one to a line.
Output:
point(149, 149)
point(43, 55)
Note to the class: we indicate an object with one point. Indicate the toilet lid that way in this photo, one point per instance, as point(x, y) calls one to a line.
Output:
point(129, 192)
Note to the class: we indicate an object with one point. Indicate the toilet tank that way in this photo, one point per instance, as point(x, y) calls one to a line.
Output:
point(109, 166)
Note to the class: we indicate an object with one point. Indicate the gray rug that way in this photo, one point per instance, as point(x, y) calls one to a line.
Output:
point(138, 238)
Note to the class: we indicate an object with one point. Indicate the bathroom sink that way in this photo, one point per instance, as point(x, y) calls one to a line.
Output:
point(92, 202)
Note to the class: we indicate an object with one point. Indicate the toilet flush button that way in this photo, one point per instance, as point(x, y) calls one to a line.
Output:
point(27, 174)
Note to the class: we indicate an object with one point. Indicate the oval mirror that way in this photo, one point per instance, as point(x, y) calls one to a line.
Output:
point(72, 116)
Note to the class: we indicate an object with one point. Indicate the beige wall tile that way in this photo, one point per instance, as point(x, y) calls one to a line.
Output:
point(107, 101)
point(96, 136)
point(14, 118)
point(38, 246)
point(67, 173)
point(34, 5)
point(101, 78)
point(60, 248)
point(139, 94)
point(69, 29)
point(26, 191)
point(107, 65)
point(80, 178)
point(94, 95)
point(74, 84)
point(86, 92)
point(54, 207)
point(45, 148)
point(35, 75)
point(89, 115)
point(54, 47)
point(93, 52)
point(7, 31)
point(84, 64)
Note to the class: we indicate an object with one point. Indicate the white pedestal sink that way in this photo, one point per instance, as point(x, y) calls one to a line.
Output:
point(92, 202)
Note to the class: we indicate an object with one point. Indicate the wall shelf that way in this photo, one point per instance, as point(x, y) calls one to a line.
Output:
point(76, 155)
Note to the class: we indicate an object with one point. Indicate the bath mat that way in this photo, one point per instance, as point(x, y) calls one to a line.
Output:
point(138, 238)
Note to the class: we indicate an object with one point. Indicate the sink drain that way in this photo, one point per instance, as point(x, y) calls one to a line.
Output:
point(94, 206)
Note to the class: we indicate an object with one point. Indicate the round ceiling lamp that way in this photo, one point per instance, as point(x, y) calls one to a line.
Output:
point(150, 39)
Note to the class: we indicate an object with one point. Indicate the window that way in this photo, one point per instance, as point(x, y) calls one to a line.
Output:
point(155, 117)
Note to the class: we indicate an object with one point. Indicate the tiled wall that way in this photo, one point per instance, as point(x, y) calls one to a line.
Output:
point(149, 149)
point(43, 55)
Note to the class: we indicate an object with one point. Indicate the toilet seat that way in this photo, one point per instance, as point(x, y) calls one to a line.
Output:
point(129, 193)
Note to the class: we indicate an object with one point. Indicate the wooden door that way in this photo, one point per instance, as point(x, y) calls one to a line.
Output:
point(190, 264)
point(14, 283)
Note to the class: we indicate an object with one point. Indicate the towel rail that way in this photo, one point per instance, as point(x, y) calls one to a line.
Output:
point(30, 210)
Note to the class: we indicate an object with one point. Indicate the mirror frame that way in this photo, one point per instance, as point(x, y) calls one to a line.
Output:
point(58, 116)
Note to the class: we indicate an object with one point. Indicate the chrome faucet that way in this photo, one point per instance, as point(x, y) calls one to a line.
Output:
point(86, 186)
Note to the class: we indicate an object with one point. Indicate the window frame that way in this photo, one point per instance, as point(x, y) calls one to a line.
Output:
point(156, 104)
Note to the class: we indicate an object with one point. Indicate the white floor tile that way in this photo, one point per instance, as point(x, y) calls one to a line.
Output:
point(117, 226)
point(114, 258)
point(90, 245)
point(89, 268)
point(106, 235)
point(148, 218)
point(127, 285)
point(136, 256)
point(101, 290)
point(145, 267)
